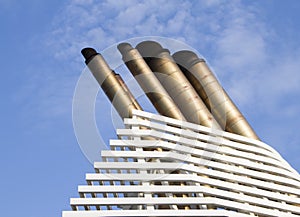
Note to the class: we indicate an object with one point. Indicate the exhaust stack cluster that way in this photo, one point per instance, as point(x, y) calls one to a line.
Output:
point(180, 86)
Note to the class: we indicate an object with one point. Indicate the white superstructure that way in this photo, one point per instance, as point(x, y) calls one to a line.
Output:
point(161, 166)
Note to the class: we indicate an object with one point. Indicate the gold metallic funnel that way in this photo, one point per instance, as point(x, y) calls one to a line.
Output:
point(120, 97)
point(212, 94)
point(117, 91)
point(176, 84)
point(148, 82)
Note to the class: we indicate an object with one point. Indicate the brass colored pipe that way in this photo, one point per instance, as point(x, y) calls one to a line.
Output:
point(123, 84)
point(113, 86)
point(151, 86)
point(176, 84)
point(148, 82)
point(212, 94)
point(121, 99)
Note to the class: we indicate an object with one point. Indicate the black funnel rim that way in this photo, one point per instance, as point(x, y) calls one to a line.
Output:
point(88, 53)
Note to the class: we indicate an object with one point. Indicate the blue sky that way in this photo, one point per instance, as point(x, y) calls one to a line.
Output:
point(253, 47)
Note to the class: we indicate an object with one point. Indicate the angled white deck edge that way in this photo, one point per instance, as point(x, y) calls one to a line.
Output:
point(185, 165)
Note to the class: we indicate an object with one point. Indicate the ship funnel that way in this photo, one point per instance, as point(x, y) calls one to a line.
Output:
point(176, 84)
point(111, 83)
point(212, 94)
point(180, 86)
point(148, 82)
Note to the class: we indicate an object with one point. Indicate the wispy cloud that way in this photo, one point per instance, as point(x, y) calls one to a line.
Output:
point(103, 22)
point(238, 44)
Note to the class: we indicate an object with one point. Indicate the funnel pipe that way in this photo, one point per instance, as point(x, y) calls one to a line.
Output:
point(120, 97)
point(212, 94)
point(176, 84)
point(124, 86)
point(148, 82)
